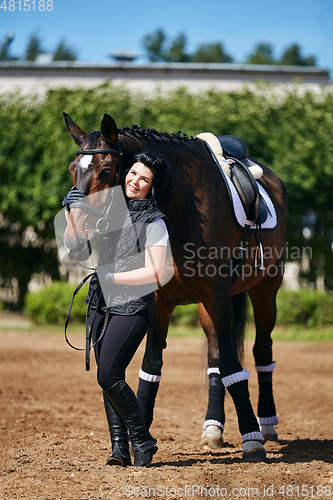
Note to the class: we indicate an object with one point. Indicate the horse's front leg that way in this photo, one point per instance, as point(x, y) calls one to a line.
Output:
point(150, 372)
point(215, 417)
point(263, 298)
point(218, 303)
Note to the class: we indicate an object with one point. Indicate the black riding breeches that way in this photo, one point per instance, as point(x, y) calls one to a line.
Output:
point(117, 347)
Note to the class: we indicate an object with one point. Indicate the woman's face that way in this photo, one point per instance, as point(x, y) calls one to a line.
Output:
point(138, 181)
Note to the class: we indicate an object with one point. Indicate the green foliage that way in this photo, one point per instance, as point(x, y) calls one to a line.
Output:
point(185, 316)
point(177, 51)
point(50, 305)
point(292, 57)
point(154, 44)
point(4, 47)
point(63, 52)
point(212, 53)
point(34, 48)
point(292, 134)
point(158, 48)
point(305, 307)
point(262, 54)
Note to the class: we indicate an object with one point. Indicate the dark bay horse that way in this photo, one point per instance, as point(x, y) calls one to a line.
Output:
point(204, 238)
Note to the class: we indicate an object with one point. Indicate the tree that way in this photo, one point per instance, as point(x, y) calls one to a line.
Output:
point(34, 48)
point(262, 54)
point(154, 44)
point(292, 57)
point(212, 53)
point(4, 47)
point(176, 52)
point(63, 53)
point(159, 49)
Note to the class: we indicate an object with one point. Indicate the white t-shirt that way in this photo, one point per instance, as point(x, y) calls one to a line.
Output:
point(156, 234)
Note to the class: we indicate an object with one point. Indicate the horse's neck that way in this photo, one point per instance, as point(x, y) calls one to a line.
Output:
point(133, 144)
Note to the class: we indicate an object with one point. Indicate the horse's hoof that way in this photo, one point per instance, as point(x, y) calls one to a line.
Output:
point(253, 451)
point(269, 432)
point(212, 437)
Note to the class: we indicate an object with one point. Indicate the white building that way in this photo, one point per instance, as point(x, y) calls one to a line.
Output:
point(37, 77)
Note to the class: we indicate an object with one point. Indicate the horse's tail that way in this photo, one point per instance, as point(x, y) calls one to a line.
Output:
point(239, 305)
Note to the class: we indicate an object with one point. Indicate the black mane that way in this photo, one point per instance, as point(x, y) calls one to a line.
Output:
point(147, 132)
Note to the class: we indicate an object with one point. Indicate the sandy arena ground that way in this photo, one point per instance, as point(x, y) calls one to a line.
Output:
point(54, 439)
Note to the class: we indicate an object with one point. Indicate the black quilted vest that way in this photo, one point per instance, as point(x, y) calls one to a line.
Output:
point(130, 241)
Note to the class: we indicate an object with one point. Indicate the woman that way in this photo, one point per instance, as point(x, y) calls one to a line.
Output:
point(147, 188)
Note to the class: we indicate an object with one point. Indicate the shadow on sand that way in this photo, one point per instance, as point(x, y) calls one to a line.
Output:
point(299, 450)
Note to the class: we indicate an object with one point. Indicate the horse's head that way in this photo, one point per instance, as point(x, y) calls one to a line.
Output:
point(94, 170)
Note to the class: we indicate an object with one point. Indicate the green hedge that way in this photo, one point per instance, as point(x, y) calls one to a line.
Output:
point(186, 315)
point(50, 305)
point(307, 308)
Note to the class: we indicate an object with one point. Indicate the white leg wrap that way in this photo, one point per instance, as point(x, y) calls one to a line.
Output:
point(268, 420)
point(148, 377)
point(266, 368)
point(253, 436)
point(212, 422)
point(235, 377)
point(213, 370)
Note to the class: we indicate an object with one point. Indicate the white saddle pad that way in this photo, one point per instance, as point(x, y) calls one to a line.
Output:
point(270, 222)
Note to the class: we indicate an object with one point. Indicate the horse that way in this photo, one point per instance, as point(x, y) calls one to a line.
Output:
point(204, 238)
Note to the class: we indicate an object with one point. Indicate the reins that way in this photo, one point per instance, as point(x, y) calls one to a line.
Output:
point(89, 326)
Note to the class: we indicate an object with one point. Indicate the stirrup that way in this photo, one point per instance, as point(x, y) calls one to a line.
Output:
point(261, 253)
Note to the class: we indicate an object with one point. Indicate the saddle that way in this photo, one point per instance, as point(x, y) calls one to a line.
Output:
point(230, 154)
point(242, 178)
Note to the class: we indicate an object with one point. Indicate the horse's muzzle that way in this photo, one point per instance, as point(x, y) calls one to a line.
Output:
point(78, 249)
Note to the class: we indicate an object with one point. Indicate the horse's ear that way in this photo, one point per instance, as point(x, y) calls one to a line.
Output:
point(109, 129)
point(75, 131)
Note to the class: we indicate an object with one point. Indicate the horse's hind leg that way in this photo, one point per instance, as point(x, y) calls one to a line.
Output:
point(263, 298)
point(215, 417)
point(150, 372)
point(218, 303)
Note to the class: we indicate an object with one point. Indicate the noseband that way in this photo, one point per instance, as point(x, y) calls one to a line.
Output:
point(104, 152)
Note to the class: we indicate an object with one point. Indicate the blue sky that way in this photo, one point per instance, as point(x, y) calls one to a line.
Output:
point(93, 28)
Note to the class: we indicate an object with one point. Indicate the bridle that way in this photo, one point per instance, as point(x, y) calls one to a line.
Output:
point(106, 151)
point(101, 224)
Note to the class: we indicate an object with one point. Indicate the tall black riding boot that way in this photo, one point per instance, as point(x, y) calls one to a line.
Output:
point(125, 403)
point(118, 434)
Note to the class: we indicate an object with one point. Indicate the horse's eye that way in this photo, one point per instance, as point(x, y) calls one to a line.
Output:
point(105, 172)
